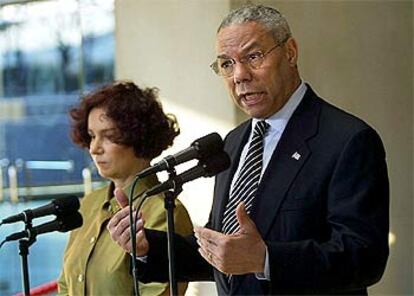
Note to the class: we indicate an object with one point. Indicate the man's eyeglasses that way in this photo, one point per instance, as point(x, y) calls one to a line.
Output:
point(225, 66)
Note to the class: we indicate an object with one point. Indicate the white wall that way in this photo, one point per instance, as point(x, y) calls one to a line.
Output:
point(356, 54)
point(170, 44)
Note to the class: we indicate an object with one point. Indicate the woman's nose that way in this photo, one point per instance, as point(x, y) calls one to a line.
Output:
point(95, 147)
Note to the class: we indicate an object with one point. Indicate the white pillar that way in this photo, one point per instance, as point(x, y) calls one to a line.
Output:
point(13, 187)
point(87, 180)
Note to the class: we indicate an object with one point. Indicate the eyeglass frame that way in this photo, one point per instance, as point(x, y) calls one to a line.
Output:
point(245, 60)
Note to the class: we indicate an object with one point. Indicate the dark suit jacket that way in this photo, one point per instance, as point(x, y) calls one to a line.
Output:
point(323, 215)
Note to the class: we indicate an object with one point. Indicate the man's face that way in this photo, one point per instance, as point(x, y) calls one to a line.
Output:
point(258, 92)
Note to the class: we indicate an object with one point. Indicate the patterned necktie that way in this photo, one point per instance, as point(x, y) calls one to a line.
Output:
point(247, 182)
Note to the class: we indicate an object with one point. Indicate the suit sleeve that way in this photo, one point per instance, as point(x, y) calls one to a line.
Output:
point(190, 266)
point(357, 204)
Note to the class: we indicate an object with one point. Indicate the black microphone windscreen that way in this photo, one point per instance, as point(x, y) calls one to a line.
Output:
point(208, 145)
point(61, 223)
point(72, 221)
point(66, 204)
point(216, 164)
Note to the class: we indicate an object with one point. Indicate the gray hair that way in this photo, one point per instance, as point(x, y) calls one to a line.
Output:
point(269, 17)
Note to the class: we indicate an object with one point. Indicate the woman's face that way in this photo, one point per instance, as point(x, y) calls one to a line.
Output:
point(115, 162)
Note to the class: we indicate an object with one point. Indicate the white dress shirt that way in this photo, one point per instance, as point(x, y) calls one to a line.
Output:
point(277, 122)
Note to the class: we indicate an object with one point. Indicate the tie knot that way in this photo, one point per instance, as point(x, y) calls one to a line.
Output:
point(261, 127)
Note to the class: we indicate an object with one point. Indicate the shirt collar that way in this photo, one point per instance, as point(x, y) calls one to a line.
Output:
point(110, 201)
point(279, 120)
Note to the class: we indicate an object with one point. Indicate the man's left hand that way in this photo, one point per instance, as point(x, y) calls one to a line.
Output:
point(239, 253)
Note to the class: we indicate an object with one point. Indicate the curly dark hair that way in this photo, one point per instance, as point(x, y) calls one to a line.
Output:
point(136, 113)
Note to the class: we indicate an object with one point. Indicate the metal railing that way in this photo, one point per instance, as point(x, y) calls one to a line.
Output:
point(16, 190)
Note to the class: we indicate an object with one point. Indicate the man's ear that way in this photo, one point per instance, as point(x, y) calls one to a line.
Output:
point(291, 47)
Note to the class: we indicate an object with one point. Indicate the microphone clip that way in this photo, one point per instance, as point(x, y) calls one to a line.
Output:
point(177, 188)
point(25, 243)
point(28, 227)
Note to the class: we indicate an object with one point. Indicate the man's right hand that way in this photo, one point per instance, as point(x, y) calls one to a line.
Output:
point(119, 227)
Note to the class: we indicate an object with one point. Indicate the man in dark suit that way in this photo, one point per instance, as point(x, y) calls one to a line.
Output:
point(303, 209)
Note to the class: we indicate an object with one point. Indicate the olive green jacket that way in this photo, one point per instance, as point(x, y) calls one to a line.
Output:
point(93, 264)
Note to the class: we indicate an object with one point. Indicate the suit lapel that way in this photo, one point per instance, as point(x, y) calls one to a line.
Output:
point(233, 146)
point(287, 160)
point(290, 155)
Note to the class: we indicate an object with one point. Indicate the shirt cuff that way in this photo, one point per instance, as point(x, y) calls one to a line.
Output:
point(264, 276)
point(143, 259)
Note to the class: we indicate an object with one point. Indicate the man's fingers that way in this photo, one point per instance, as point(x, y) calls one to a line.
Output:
point(243, 218)
point(142, 243)
point(205, 254)
point(208, 256)
point(121, 197)
point(205, 234)
point(124, 239)
point(119, 227)
point(206, 246)
point(140, 235)
point(118, 217)
point(210, 241)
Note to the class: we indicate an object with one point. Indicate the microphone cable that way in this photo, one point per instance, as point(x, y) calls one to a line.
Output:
point(132, 230)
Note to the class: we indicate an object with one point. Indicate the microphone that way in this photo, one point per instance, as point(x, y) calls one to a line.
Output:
point(206, 168)
point(62, 224)
point(56, 207)
point(200, 149)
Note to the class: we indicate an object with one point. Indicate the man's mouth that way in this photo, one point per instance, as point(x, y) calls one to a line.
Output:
point(251, 98)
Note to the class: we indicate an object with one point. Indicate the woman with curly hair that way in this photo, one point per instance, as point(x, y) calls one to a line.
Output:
point(124, 128)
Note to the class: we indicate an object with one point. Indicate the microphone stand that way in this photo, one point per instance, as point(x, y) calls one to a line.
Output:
point(24, 245)
point(169, 204)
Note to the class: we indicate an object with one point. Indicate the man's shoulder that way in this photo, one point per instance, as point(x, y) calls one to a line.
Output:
point(340, 121)
point(332, 116)
point(335, 125)
point(313, 111)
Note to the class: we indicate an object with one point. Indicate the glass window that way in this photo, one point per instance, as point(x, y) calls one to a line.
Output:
point(50, 52)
